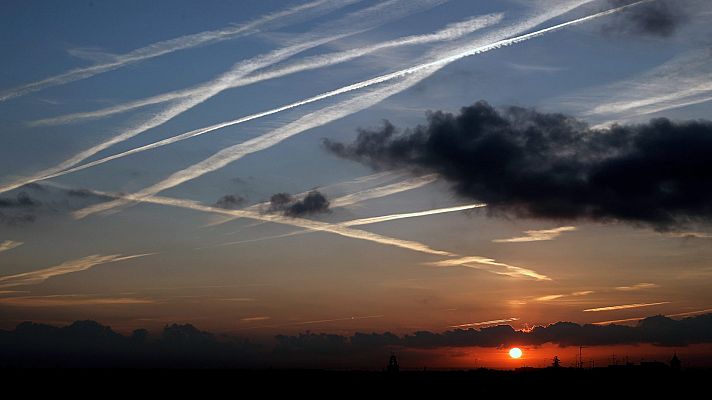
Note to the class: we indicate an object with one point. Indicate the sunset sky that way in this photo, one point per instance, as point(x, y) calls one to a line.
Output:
point(142, 144)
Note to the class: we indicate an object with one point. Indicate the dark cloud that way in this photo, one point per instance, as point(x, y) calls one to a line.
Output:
point(21, 200)
point(35, 200)
point(656, 18)
point(531, 164)
point(89, 344)
point(314, 202)
point(230, 202)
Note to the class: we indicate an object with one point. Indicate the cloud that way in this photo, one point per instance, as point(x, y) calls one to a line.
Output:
point(89, 344)
point(538, 235)
point(230, 201)
point(655, 18)
point(9, 245)
point(67, 267)
point(313, 203)
point(625, 306)
point(157, 49)
point(551, 166)
point(638, 286)
point(558, 296)
point(483, 323)
point(450, 32)
point(410, 77)
point(70, 300)
point(476, 262)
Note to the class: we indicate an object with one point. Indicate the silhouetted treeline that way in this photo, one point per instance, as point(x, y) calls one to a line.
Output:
point(89, 344)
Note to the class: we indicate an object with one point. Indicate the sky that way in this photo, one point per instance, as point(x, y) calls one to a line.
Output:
point(262, 168)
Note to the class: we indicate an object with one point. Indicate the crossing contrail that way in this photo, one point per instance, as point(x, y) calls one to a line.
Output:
point(409, 77)
point(172, 45)
point(354, 22)
point(476, 262)
point(450, 32)
point(365, 221)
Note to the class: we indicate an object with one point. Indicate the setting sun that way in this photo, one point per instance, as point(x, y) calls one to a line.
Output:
point(515, 352)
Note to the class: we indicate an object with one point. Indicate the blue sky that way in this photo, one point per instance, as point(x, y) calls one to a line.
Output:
point(189, 272)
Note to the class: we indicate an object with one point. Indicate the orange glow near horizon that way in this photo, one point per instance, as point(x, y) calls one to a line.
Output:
point(515, 352)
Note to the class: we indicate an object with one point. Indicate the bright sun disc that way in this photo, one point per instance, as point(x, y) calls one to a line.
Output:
point(515, 352)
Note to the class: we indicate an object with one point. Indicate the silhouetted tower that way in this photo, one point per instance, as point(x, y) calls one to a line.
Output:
point(556, 363)
point(675, 363)
point(393, 364)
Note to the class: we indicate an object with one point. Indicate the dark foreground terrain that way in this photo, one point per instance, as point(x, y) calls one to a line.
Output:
point(553, 383)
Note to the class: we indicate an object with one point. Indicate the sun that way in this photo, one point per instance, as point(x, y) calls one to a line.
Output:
point(515, 352)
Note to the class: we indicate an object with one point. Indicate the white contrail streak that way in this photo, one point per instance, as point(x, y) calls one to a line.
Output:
point(365, 221)
point(169, 46)
point(355, 22)
point(236, 152)
point(476, 262)
point(9, 245)
point(357, 197)
point(410, 77)
point(39, 276)
point(625, 306)
point(450, 32)
point(538, 235)
point(493, 322)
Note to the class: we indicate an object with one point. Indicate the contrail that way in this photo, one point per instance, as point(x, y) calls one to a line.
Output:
point(320, 321)
point(364, 221)
point(236, 152)
point(625, 306)
point(409, 76)
point(169, 46)
point(477, 262)
point(9, 245)
point(538, 235)
point(355, 22)
point(493, 322)
point(450, 32)
point(358, 197)
point(39, 276)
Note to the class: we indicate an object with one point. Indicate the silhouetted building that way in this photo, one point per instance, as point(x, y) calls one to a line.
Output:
point(675, 363)
point(393, 364)
point(556, 363)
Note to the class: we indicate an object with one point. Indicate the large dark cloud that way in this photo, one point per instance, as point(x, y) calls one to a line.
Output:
point(533, 164)
point(313, 203)
point(656, 18)
point(89, 344)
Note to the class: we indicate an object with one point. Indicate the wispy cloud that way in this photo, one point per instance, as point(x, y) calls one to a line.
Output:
point(625, 306)
point(9, 245)
point(158, 49)
point(315, 322)
point(70, 300)
point(450, 32)
point(67, 267)
point(491, 265)
point(538, 235)
point(423, 70)
point(363, 221)
point(558, 296)
point(407, 78)
point(682, 81)
point(484, 323)
point(682, 314)
point(638, 286)
point(477, 262)
point(689, 235)
point(350, 24)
